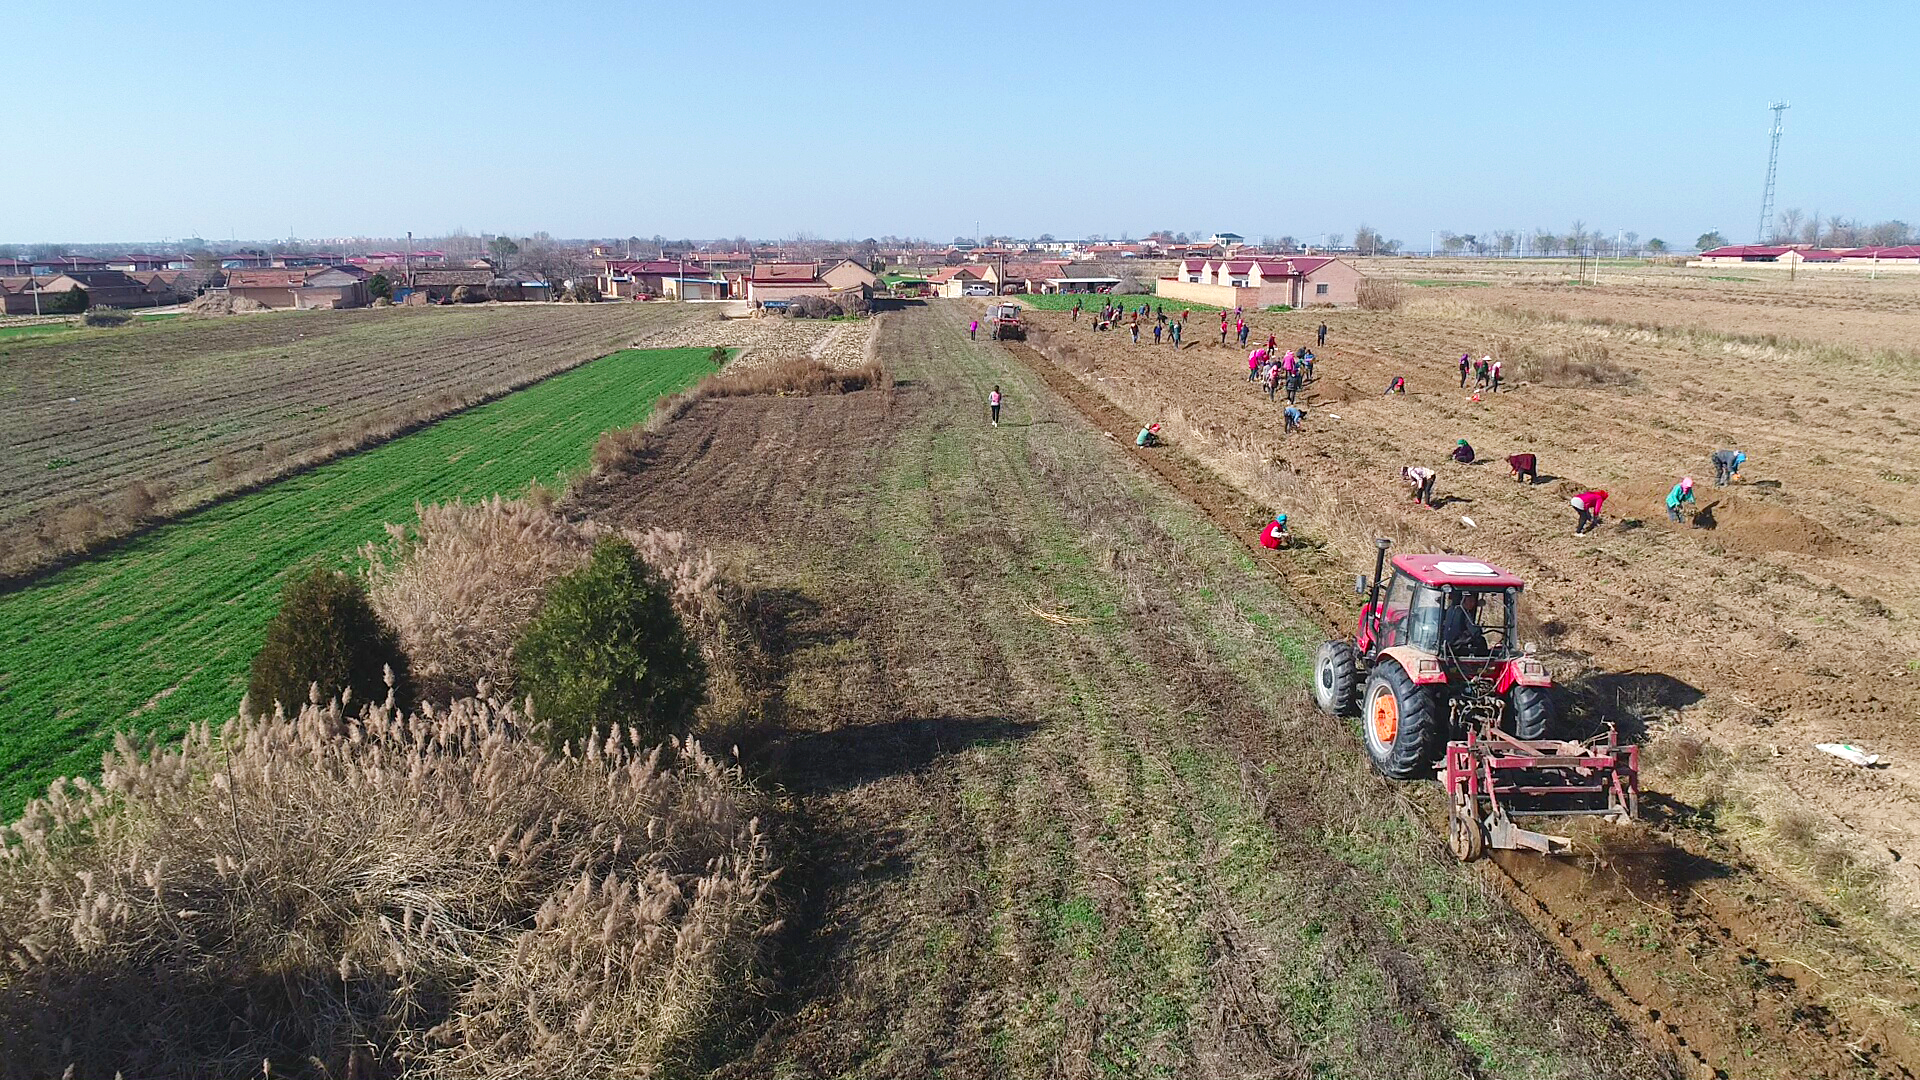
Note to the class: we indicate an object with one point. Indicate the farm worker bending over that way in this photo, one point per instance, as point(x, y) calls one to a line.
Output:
point(1523, 468)
point(1588, 504)
point(1275, 535)
point(1682, 493)
point(993, 404)
point(1295, 418)
point(1462, 453)
point(1726, 466)
point(1398, 385)
point(1148, 436)
point(1420, 480)
point(1254, 360)
point(1496, 376)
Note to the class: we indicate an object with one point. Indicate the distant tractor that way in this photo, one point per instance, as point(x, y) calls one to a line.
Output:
point(1443, 687)
point(1005, 321)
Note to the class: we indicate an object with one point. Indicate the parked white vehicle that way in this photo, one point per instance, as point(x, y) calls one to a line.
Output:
point(979, 290)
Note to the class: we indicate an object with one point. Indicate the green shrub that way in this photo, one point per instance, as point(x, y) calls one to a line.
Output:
point(379, 287)
point(326, 632)
point(607, 648)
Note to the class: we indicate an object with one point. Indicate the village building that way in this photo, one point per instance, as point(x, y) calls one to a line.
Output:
point(953, 281)
point(318, 287)
point(1267, 281)
point(105, 288)
point(436, 286)
point(1089, 284)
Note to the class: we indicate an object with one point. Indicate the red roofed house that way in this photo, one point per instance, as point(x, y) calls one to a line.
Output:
point(142, 263)
point(629, 278)
point(1909, 253)
point(1298, 281)
point(953, 281)
point(320, 287)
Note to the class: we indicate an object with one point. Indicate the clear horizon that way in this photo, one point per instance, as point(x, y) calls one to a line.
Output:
point(755, 120)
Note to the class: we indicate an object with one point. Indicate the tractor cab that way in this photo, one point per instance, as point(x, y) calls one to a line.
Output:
point(1441, 612)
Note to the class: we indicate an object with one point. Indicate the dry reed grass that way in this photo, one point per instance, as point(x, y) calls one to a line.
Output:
point(463, 583)
point(423, 894)
point(1380, 294)
point(1579, 363)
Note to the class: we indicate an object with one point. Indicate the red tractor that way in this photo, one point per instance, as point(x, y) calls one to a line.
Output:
point(1443, 686)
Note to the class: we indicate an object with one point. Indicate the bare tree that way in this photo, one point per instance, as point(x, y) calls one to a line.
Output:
point(1633, 241)
point(1810, 232)
point(1545, 242)
point(1788, 225)
point(1577, 238)
point(1505, 240)
point(1890, 234)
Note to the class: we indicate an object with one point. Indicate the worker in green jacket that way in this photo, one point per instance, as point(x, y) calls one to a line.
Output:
point(1681, 495)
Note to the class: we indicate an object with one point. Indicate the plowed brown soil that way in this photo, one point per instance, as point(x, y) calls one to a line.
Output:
point(1651, 615)
point(1060, 805)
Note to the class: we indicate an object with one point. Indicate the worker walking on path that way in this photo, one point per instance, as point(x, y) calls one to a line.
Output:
point(993, 404)
point(1293, 385)
point(1681, 495)
point(1587, 504)
point(1726, 466)
point(1466, 362)
point(1524, 468)
point(1421, 481)
point(1323, 336)
point(973, 330)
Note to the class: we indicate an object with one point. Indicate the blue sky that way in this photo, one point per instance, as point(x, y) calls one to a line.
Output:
point(263, 121)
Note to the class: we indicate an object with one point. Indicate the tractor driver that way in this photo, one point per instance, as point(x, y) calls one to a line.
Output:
point(1460, 632)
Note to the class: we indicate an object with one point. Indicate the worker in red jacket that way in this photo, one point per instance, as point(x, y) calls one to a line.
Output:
point(1588, 505)
point(1275, 535)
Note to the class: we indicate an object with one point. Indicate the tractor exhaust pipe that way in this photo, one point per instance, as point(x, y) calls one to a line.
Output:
point(1380, 545)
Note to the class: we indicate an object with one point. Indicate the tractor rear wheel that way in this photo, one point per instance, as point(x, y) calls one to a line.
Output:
point(1532, 712)
point(1403, 724)
point(1336, 678)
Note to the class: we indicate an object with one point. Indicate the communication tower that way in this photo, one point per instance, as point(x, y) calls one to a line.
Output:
point(1773, 163)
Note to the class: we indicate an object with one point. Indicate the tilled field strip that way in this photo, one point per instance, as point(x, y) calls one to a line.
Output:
point(1694, 948)
point(158, 634)
point(1064, 811)
point(159, 403)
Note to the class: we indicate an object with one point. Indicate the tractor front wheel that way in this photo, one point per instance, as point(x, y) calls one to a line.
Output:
point(1532, 712)
point(1336, 678)
point(1403, 724)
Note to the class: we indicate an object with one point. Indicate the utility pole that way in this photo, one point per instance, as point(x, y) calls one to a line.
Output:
point(1773, 163)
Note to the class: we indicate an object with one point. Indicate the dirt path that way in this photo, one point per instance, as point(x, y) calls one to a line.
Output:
point(1769, 986)
point(1062, 808)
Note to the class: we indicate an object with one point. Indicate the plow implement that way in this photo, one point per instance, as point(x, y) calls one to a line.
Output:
point(1493, 779)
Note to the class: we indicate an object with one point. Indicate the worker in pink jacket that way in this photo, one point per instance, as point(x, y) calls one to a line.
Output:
point(1588, 505)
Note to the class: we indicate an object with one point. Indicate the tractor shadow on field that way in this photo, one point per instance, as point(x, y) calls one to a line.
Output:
point(1627, 699)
